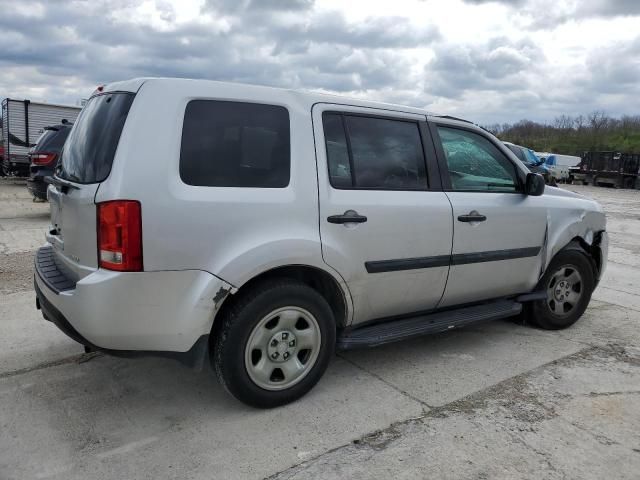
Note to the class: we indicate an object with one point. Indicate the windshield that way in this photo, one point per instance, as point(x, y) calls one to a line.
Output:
point(530, 156)
point(91, 146)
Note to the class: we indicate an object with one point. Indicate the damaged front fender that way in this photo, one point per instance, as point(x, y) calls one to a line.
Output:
point(573, 219)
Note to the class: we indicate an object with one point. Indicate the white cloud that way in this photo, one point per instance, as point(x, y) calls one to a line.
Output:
point(487, 60)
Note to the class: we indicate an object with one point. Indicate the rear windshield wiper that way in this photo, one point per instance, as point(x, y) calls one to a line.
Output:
point(72, 177)
point(61, 173)
point(60, 182)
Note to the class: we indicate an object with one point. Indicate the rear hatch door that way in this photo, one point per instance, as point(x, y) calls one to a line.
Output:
point(86, 161)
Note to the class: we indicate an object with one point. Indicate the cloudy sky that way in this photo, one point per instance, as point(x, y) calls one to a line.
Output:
point(485, 60)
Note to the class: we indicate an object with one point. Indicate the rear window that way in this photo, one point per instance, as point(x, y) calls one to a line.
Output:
point(52, 140)
point(91, 146)
point(234, 144)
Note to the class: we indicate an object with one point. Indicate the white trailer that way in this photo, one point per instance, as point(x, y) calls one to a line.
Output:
point(23, 121)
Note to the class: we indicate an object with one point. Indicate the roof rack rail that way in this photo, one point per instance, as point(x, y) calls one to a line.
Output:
point(449, 117)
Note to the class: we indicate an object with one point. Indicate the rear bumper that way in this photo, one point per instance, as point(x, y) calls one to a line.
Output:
point(166, 311)
point(194, 357)
point(51, 313)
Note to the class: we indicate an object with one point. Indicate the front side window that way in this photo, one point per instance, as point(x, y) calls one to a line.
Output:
point(233, 144)
point(374, 153)
point(475, 164)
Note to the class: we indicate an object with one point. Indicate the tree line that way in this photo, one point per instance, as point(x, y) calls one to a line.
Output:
point(574, 135)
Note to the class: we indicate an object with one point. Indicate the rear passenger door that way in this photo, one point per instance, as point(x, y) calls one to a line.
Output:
point(498, 231)
point(385, 224)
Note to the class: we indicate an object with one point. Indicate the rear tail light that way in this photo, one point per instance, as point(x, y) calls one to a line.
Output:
point(43, 158)
point(120, 236)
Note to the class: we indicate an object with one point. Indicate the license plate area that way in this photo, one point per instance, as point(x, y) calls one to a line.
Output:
point(54, 234)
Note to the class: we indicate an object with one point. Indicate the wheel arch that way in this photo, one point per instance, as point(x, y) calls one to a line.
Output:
point(591, 250)
point(332, 289)
point(577, 228)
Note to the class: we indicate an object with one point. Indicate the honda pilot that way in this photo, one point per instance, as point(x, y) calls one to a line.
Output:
point(262, 229)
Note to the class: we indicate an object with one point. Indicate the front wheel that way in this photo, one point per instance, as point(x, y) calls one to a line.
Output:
point(569, 282)
point(629, 183)
point(274, 343)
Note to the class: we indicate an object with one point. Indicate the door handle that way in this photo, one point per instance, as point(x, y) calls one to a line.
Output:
point(472, 217)
point(350, 216)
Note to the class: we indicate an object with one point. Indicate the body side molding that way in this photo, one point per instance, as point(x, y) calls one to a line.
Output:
point(379, 266)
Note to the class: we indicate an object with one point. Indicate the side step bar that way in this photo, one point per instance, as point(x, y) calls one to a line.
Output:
point(437, 322)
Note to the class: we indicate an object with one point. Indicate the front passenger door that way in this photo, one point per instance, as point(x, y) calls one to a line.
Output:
point(498, 231)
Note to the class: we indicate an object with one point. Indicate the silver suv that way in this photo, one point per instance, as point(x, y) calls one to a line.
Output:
point(264, 228)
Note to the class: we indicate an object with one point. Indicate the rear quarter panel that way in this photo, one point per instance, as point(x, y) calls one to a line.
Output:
point(233, 233)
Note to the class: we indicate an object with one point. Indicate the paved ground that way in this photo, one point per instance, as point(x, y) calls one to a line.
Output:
point(496, 401)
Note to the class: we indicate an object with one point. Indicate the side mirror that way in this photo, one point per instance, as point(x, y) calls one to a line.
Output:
point(534, 185)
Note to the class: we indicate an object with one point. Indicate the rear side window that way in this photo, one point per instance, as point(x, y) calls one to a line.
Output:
point(374, 153)
point(233, 144)
point(52, 140)
point(88, 154)
point(337, 151)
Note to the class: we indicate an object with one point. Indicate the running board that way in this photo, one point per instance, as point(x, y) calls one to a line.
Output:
point(395, 330)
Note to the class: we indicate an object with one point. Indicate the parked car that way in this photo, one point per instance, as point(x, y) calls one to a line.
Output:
point(264, 228)
point(43, 157)
point(531, 162)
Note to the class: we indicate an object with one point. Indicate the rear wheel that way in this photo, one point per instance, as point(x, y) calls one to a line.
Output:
point(568, 282)
point(274, 344)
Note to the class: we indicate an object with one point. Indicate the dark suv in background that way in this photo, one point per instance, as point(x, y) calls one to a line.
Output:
point(533, 163)
point(44, 157)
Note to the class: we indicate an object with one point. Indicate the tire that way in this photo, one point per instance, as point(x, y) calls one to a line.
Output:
point(629, 183)
point(276, 319)
point(560, 310)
